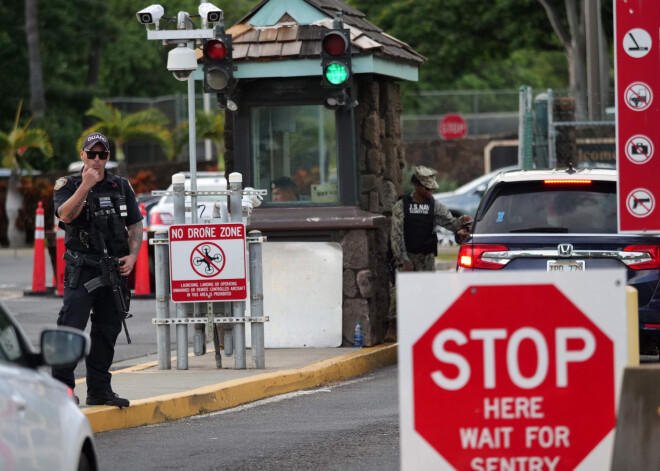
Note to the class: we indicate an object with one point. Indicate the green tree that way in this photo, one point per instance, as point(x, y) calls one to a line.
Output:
point(13, 147)
point(148, 124)
point(207, 126)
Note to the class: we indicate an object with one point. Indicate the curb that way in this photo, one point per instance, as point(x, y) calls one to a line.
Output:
point(233, 393)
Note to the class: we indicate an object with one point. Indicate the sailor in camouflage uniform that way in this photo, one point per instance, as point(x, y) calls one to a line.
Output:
point(413, 238)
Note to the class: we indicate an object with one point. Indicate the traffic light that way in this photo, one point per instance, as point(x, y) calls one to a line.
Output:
point(218, 64)
point(336, 58)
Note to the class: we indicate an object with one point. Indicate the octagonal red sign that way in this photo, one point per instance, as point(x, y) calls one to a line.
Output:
point(452, 126)
point(503, 378)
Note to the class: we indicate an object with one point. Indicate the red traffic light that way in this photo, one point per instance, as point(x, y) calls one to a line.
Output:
point(334, 44)
point(215, 50)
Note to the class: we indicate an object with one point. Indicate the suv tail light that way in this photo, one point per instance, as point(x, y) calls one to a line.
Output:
point(646, 257)
point(163, 219)
point(476, 256)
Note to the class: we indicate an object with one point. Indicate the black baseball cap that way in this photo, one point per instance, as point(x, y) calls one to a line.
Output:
point(95, 138)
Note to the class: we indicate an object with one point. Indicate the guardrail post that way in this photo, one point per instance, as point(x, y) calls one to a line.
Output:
point(256, 300)
point(238, 307)
point(178, 186)
point(162, 265)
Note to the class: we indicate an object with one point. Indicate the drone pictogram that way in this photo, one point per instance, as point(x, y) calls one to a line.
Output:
point(207, 259)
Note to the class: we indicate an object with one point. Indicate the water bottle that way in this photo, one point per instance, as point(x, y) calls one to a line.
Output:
point(357, 337)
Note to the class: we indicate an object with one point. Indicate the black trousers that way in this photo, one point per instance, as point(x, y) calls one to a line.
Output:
point(106, 326)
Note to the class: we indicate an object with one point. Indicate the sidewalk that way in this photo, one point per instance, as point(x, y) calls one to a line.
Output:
point(164, 395)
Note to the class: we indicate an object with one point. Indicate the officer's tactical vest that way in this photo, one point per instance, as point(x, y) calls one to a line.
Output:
point(104, 213)
point(418, 223)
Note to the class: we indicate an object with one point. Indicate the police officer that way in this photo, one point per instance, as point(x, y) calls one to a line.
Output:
point(95, 203)
point(413, 238)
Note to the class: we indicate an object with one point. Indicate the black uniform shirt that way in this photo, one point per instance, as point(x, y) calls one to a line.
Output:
point(65, 187)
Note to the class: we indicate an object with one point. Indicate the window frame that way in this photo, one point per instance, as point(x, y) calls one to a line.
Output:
point(297, 92)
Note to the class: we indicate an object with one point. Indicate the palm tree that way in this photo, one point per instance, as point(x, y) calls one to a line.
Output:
point(148, 124)
point(12, 151)
point(207, 126)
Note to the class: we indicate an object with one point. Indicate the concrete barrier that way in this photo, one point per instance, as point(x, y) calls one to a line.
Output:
point(637, 440)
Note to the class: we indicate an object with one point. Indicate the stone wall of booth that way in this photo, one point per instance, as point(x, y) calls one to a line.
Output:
point(381, 158)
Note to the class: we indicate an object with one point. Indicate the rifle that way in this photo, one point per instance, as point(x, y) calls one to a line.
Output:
point(109, 268)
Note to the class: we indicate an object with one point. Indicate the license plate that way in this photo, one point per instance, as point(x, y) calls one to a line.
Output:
point(565, 265)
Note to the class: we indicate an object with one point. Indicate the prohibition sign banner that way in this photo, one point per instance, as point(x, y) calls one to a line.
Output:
point(636, 26)
point(207, 262)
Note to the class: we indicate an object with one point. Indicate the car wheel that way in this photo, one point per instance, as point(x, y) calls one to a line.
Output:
point(445, 237)
point(83, 463)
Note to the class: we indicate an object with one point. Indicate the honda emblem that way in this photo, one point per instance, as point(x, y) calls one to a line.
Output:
point(565, 250)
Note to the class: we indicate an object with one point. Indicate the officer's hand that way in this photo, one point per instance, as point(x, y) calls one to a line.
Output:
point(466, 219)
point(407, 266)
point(90, 176)
point(126, 267)
point(461, 235)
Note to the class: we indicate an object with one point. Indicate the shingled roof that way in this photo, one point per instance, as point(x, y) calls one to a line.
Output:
point(288, 40)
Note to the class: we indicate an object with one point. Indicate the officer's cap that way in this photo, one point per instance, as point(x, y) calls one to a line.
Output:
point(95, 138)
point(426, 177)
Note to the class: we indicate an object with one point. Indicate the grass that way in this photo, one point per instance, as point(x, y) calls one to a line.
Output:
point(447, 254)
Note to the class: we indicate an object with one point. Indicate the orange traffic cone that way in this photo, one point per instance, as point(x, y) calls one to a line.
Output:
point(60, 259)
point(39, 266)
point(142, 286)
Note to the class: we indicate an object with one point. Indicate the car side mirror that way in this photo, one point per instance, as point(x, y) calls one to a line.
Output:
point(64, 346)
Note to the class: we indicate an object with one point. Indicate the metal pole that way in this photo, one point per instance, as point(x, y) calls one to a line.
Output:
point(162, 262)
point(552, 152)
point(257, 300)
point(199, 337)
point(179, 188)
point(521, 125)
point(238, 307)
point(591, 21)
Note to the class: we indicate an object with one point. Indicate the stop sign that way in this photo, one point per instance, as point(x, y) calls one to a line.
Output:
point(510, 375)
point(452, 126)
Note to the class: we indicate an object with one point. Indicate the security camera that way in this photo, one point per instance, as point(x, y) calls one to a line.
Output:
point(182, 62)
point(150, 15)
point(210, 13)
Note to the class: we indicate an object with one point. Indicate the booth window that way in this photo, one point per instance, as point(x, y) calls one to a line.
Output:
point(294, 153)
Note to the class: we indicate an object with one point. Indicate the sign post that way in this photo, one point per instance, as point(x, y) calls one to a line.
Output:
point(498, 373)
point(638, 110)
point(208, 262)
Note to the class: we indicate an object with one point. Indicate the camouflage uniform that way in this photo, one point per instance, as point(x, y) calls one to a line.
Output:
point(420, 262)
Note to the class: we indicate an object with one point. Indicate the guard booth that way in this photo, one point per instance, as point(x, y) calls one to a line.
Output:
point(338, 148)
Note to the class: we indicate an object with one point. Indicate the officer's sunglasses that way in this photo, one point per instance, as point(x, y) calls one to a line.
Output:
point(93, 154)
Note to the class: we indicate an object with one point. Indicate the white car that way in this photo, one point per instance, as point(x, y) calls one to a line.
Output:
point(41, 427)
point(161, 216)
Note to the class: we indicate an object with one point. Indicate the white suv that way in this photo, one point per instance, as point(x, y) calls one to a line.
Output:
point(162, 214)
point(41, 427)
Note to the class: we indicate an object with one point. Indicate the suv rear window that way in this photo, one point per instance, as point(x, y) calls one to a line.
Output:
point(524, 207)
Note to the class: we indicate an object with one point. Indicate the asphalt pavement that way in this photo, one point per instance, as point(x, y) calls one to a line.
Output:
point(161, 395)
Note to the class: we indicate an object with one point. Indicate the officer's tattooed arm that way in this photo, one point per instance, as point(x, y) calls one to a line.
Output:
point(72, 207)
point(135, 238)
point(134, 242)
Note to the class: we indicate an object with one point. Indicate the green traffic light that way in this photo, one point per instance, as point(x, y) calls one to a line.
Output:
point(336, 73)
